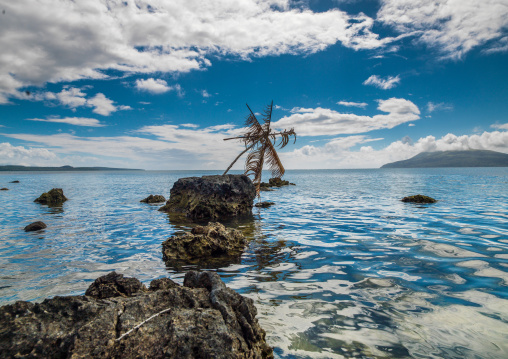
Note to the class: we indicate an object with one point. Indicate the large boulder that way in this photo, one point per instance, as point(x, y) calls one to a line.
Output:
point(212, 197)
point(36, 226)
point(204, 244)
point(201, 319)
point(55, 197)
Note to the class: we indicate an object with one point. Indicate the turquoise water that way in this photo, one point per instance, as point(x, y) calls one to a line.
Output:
point(339, 267)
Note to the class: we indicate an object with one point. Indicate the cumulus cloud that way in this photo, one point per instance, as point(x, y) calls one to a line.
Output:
point(74, 97)
point(321, 121)
point(454, 27)
point(155, 86)
point(352, 104)
point(65, 40)
point(503, 126)
point(382, 83)
point(339, 153)
point(205, 93)
point(19, 155)
point(78, 121)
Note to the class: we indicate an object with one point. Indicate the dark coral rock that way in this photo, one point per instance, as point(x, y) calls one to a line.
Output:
point(212, 197)
point(36, 226)
point(154, 199)
point(275, 182)
point(16, 181)
point(202, 319)
point(4, 189)
point(211, 241)
point(55, 197)
point(114, 285)
point(419, 199)
point(265, 204)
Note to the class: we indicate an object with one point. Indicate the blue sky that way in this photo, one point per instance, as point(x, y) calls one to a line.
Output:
point(158, 84)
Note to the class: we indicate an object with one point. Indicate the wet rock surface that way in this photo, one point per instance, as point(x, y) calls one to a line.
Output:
point(264, 204)
point(4, 189)
point(201, 319)
point(212, 197)
point(154, 199)
point(275, 182)
point(204, 244)
point(36, 226)
point(55, 197)
point(419, 199)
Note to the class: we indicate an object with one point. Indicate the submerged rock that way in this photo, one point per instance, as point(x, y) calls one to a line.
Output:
point(213, 241)
point(212, 197)
point(201, 319)
point(154, 199)
point(36, 226)
point(265, 204)
point(55, 197)
point(16, 181)
point(275, 182)
point(419, 199)
point(4, 189)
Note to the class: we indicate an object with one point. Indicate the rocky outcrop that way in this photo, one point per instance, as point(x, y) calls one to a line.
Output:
point(210, 243)
point(16, 181)
point(419, 199)
point(4, 189)
point(154, 199)
point(55, 197)
point(212, 197)
point(201, 319)
point(264, 204)
point(275, 182)
point(36, 226)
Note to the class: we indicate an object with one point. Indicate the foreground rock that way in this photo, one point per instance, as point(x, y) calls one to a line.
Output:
point(212, 197)
point(201, 319)
point(213, 242)
point(419, 199)
point(55, 197)
point(36, 226)
point(264, 204)
point(275, 182)
point(154, 199)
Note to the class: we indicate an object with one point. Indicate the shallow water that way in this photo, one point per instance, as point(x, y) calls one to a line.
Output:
point(339, 267)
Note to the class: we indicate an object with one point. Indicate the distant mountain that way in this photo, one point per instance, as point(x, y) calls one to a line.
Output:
point(63, 168)
point(470, 158)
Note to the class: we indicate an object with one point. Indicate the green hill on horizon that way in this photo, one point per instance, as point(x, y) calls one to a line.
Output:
point(468, 158)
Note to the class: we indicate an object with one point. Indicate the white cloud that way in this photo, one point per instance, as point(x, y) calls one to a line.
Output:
point(19, 155)
point(431, 107)
point(352, 104)
point(78, 121)
point(338, 153)
point(503, 126)
point(321, 121)
point(102, 105)
point(205, 94)
point(383, 83)
point(155, 86)
point(65, 40)
point(454, 27)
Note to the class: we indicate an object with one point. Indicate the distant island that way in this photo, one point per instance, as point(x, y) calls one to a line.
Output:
point(62, 168)
point(469, 158)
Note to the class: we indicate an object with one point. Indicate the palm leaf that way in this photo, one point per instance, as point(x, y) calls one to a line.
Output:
point(273, 161)
point(254, 165)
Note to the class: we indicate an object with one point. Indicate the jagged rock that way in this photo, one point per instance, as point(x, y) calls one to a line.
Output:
point(212, 241)
point(201, 319)
point(265, 204)
point(114, 285)
point(55, 197)
point(212, 197)
point(36, 226)
point(419, 199)
point(4, 189)
point(154, 199)
point(16, 181)
point(275, 182)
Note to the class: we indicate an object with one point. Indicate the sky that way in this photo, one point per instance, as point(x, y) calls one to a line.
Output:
point(158, 84)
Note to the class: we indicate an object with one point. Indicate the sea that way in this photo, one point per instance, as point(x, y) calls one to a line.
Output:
point(339, 267)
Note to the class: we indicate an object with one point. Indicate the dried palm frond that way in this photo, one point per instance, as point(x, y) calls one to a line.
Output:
point(262, 141)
